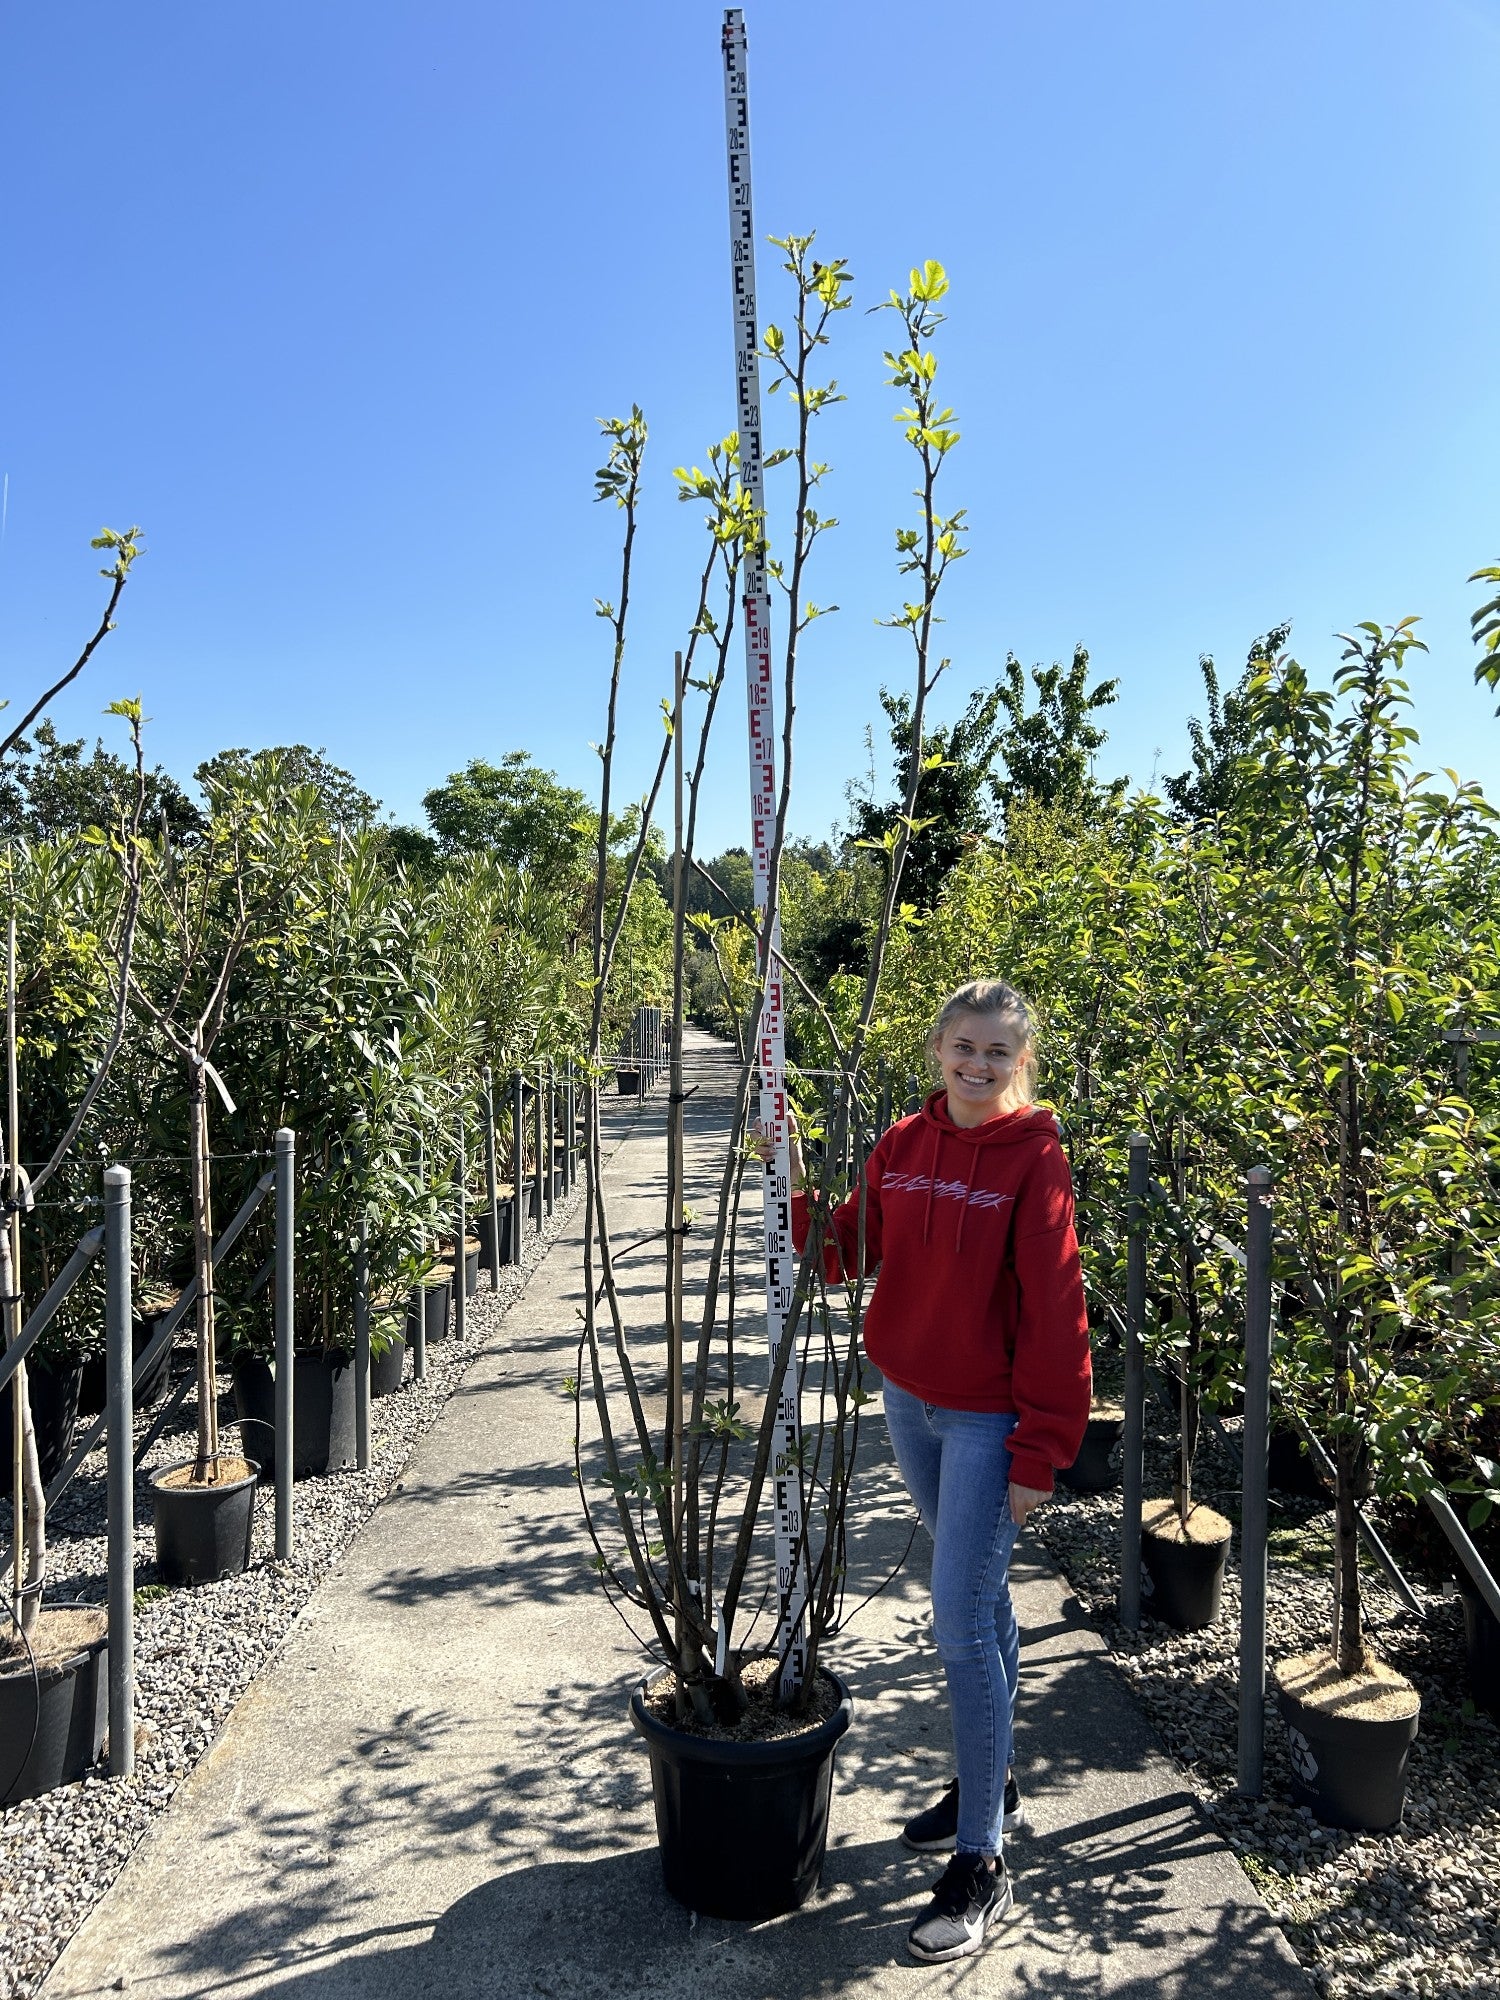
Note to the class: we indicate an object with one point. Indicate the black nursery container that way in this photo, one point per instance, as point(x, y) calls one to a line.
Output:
point(147, 1393)
point(203, 1532)
point(1186, 1580)
point(436, 1298)
point(52, 1722)
point(54, 1389)
point(322, 1412)
point(386, 1367)
point(742, 1827)
point(1096, 1468)
point(1348, 1770)
point(483, 1231)
point(1482, 1644)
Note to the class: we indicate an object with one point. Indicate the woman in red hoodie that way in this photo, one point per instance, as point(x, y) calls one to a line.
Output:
point(979, 1327)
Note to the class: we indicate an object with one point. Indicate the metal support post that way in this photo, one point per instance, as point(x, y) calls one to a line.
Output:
point(570, 1129)
point(491, 1179)
point(1254, 1514)
point(419, 1294)
point(1132, 1465)
point(537, 1114)
point(517, 1162)
point(286, 1227)
point(120, 1472)
point(551, 1093)
point(460, 1234)
point(362, 1340)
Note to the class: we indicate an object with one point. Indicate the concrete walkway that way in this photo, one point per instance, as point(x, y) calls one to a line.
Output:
point(435, 1789)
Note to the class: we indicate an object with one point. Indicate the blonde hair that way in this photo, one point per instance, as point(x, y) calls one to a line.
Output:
point(1000, 998)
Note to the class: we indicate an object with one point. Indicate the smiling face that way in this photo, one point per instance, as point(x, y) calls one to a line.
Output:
point(981, 1057)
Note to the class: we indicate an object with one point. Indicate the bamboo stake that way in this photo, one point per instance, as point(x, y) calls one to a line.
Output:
point(13, 1286)
point(675, 1150)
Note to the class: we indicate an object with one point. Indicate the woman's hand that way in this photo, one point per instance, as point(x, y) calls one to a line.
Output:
point(1022, 1500)
point(763, 1146)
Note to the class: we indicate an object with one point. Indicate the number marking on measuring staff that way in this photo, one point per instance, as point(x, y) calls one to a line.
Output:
point(761, 710)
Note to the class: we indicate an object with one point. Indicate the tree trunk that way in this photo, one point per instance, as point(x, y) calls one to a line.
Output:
point(206, 1471)
point(27, 1560)
point(1348, 1622)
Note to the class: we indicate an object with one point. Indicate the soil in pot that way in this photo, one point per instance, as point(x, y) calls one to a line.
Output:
point(1348, 1737)
point(1096, 1467)
point(54, 1388)
point(1482, 1645)
point(741, 1819)
point(54, 1702)
point(203, 1527)
point(149, 1391)
point(322, 1412)
point(1184, 1567)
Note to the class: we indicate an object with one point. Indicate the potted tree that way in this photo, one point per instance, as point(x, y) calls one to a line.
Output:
point(207, 910)
point(1184, 1542)
point(53, 1659)
point(742, 1742)
point(1358, 971)
point(342, 1037)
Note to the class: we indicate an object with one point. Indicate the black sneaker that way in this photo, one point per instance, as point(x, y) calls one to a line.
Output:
point(934, 1831)
point(965, 1902)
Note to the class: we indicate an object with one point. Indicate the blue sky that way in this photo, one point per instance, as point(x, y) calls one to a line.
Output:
point(329, 297)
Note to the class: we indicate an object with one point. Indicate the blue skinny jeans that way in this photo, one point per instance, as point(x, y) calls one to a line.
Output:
point(956, 1464)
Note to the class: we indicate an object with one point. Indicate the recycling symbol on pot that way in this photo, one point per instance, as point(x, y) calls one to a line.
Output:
point(1304, 1763)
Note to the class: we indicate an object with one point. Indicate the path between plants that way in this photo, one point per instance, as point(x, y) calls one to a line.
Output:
point(434, 1788)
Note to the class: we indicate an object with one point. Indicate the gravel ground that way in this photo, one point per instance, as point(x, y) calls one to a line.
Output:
point(1416, 1911)
point(197, 1649)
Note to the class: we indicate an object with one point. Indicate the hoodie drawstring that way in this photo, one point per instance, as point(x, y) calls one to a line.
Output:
point(932, 1173)
point(963, 1207)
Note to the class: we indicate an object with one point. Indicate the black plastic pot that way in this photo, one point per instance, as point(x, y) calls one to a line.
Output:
point(322, 1412)
point(148, 1392)
point(203, 1532)
point(53, 1387)
point(471, 1269)
point(628, 1082)
point(437, 1295)
point(482, 1231)
point(1289, 1468)
point(742, 1826)
point(1482, 1644)
point(52, 1722)
point(1186, 1579)
point(1348, 1770)
point(1096, 1468)
point(386, 1367)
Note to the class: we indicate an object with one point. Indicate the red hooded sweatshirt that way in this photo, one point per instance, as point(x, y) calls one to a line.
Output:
point(979, 1303)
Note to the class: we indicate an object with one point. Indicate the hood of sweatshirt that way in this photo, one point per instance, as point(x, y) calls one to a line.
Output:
point(1011, 1128)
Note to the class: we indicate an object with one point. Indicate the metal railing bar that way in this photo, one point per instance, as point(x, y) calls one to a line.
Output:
point(85, 1251)
point(1468, 1555)
point(169, 1324)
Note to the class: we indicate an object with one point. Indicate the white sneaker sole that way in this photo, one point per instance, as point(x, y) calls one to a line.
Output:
point(1002, 1906)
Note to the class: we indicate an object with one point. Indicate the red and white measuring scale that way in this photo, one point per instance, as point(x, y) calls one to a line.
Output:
point(770, 1055)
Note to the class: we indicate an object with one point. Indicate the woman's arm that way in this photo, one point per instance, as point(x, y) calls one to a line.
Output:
point(841, 1241)
point(1051, 1377)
